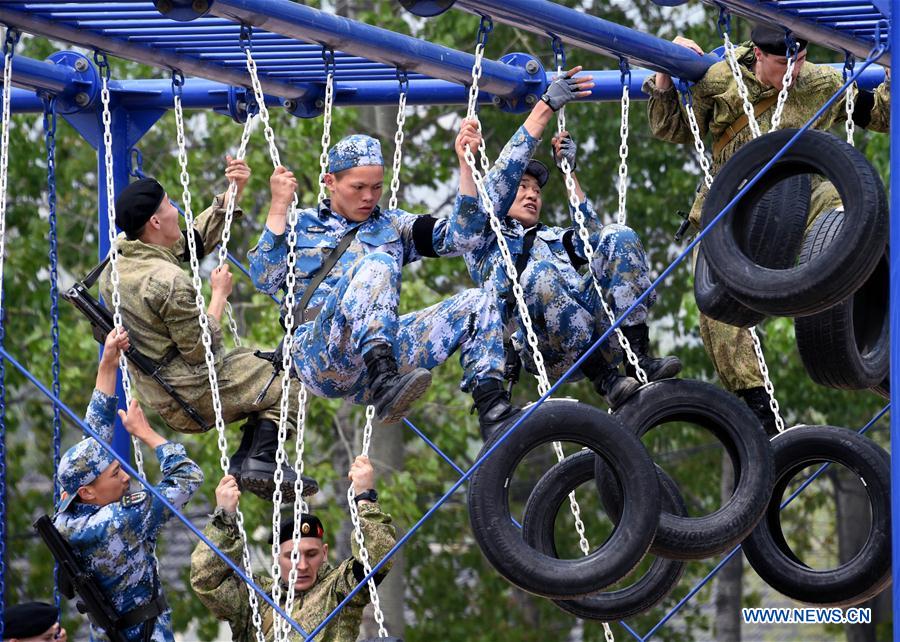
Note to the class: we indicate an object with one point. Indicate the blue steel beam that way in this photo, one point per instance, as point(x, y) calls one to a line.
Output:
point(894, 263)
point(381, 45)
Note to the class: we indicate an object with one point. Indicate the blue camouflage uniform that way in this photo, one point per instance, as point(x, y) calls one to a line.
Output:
point(358, 300)
point(116, 543)
point(562, 302)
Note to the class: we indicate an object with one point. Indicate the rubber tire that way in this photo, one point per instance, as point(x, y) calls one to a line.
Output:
point(772, 239)
point(502, 543)
point(541, 512)
point(742, 435)
point(883, 389)
point(848, 345)
point(831, 276)
point(869, 572)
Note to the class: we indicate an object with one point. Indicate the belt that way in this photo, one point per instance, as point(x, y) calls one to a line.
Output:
point(167, 358)
point(156, 607)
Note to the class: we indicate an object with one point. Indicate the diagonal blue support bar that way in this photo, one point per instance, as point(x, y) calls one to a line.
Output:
point(150, 488)
point(894, 262)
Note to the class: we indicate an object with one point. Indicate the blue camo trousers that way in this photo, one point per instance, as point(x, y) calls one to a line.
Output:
point(362, 311)
point(567, 315)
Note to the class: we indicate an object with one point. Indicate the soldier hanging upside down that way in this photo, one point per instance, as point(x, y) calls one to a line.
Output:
point(319, 586)
point(563, 304)
point(350, 341)
point(158, 304)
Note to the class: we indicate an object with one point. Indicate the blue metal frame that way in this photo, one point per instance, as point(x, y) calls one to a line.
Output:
point(894, 262)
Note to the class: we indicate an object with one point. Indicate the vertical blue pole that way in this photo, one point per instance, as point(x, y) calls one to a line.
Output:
point(895, 318)
point(121, 441)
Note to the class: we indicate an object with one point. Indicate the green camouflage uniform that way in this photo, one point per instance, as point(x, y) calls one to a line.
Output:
point(717, 105)
point(158, 304)
point(225, 595)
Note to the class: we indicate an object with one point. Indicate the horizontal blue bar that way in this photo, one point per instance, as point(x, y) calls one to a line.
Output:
point(36, 74)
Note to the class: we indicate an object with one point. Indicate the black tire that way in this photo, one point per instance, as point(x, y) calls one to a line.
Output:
point(848, 345)
point(538, 528)
point(737, 428)
point(772, 238)
point(883, 389)
point(869, 572)
point(502, 543)
point(830, 277)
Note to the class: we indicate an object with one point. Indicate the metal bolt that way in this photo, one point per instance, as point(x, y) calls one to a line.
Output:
point(530, 99)
point(290, 104)
point(164, 6)
point(320, 103)
point(200, 6)
point(82, 99)
point(496, 100)
point(81, 64)
point(532, 67)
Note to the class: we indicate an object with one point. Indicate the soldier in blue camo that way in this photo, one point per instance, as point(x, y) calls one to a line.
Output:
point(563, 304)
point(351, 342)
point(113, 533)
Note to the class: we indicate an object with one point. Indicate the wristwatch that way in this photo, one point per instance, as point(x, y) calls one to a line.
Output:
point(369, 495)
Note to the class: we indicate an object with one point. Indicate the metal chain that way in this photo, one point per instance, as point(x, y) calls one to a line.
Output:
point(688, 102)
point(607, 633)
point(103, 68)
point(623, 145)
point(226, 231)
point(849, 97)
point(786, 81)
point(9, 45)
point(731, 57)
point(484, 30)
point(767, 382)
point(398, 143)
point(328, 58)
point(53, 254)
point(288, 302)
point(584, 235)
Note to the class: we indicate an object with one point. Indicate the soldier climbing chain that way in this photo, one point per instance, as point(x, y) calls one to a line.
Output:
point(226, 231)
point(584, 235)
point(510, 266)
point(103, 66)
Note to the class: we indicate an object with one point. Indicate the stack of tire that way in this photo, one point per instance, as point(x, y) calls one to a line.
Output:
point(761, 260)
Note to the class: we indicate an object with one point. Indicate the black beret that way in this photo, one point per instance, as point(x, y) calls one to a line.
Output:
point(137, 203)
point(772, 40)
point(310, 526)
point(28, 620)
point(537, 169)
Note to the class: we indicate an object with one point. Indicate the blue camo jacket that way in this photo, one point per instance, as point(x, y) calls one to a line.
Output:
point(117, 542)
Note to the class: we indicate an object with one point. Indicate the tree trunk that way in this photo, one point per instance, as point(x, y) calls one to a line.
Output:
point(729, 588)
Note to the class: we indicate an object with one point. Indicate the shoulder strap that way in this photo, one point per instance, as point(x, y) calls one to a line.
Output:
point(522, 263)
point(327, 265)
point(740, 124)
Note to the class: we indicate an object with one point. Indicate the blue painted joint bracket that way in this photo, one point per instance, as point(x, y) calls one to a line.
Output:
point(183, 10)
point(83, 90)
point(535, 84)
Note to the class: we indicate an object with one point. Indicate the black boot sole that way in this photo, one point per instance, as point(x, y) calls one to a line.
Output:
point(264, 487)
point(622, 395)
point(668, 368)
point(397, 407)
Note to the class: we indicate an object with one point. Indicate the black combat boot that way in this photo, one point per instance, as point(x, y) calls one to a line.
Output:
point(391, 393)
point(758, 400)
point(607, 380)
point(258, 469)
point(493, 406)
point(656, 367)
point(237, 459)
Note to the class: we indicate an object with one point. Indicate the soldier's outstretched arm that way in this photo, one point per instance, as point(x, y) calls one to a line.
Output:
point(101, 411)
point(268, 259)
point(667, 117)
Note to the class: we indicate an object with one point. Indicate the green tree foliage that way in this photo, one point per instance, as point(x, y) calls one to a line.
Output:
point(452, 593)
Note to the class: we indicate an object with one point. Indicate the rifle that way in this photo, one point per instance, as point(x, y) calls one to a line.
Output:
point(102, 324)
point(73, 580)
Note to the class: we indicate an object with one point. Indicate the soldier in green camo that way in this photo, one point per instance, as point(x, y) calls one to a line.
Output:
point(158, 304)
point(319, 587)
point(719, 111)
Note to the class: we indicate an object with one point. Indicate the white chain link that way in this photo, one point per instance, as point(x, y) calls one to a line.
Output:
point(731, 57)
point(850, 101)
point(5, 125)
point(584, 235)
point(326, 133)
point(206, 339)
point(280, 628)
point(114, 253)
point(607, 633)
point(786, 81)
point(398, 152)
point(698, 144)
point(226, 231)
point(623, 155)
point(767, 382)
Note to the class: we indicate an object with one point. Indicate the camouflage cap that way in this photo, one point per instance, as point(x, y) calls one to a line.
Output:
point(79, 466)
point(357, 150)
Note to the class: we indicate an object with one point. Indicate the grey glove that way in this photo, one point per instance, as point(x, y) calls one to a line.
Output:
point(568, 149)
point(560, 91)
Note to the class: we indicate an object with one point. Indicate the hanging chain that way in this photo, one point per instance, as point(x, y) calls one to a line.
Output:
point(687, 100)
point(398, 139)
point(103, 69)
point(9, 45)
point(231, 196)
point(485, 27)
point(731, 57)
point(288, 302)
point(328, 59)
point(623, 146)
point(786, 81)
point(767, 382)
point(850, 97)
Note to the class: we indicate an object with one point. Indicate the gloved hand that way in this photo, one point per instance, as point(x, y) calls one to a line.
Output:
point(566, 148)
point(561, 91)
